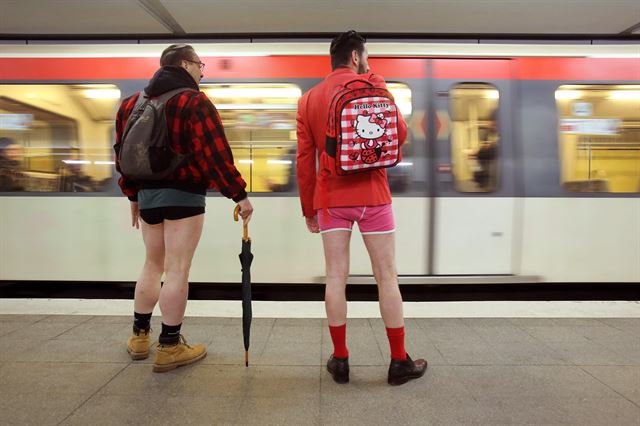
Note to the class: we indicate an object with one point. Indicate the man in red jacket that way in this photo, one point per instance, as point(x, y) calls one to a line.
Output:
point(331, 204)
point(172, 209)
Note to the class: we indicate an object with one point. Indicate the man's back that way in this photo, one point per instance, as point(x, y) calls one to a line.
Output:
point(367, 188)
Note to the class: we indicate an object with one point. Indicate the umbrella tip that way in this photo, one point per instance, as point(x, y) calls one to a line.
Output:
point(246, 358)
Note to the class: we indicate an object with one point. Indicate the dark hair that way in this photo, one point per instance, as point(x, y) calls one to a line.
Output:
point(342, 46)
point(175, 53)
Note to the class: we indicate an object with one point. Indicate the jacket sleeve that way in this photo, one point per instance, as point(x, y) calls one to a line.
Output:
point(306, 160)
point(128, 187)
point(212, 151)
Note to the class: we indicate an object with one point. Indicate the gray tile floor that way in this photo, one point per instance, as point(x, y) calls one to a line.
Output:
point(73, 370)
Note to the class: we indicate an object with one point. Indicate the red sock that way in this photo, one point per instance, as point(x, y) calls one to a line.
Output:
point(339, 338)
point(396, 341)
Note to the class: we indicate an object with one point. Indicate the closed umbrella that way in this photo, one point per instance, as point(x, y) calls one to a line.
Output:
point(245, 261)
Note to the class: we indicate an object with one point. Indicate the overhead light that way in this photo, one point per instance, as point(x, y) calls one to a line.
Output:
point(402, 96)
point(253, 92)
point(76, 161)
point(245, 161)
point(405, 164)
point(627, 95)
point(104, 162)
point(232, 107)
point(491, 94)
point(101, 93)
point(405, 108)
point(279, 162)
point(400, 92)
point(563, 95)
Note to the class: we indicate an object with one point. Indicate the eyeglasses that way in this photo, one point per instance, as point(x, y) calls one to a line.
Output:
point(200, 64)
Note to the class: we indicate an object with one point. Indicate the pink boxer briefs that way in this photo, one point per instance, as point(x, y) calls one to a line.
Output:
point(370, 219)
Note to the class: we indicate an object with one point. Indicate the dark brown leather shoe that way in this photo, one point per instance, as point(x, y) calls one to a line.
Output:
point(401, 372)
point(339, 369)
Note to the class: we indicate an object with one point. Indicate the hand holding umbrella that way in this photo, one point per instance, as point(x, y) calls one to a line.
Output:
point(245, 261)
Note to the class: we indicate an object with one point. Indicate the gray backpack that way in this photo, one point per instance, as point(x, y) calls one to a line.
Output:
point(145, 152)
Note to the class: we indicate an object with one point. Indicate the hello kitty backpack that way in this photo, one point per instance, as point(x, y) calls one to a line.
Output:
point(362, 132)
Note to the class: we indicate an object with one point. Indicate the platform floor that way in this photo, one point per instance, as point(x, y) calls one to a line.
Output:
point(73, 370)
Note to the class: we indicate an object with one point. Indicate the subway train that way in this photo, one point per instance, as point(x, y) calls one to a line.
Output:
point(522, 163)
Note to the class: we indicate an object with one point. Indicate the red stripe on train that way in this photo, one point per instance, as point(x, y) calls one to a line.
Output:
point(216, 68)
point(578, 69)
point(538, 69)
point(480, 69)
point(35, 69)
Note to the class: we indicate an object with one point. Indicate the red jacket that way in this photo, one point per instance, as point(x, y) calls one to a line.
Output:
point(360, 189)
point(194, 128)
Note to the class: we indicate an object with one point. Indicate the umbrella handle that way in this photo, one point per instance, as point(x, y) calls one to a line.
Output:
point(245, 235)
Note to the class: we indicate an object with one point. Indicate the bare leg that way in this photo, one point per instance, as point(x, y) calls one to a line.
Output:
point(181, 238)
point(148, 284)
point(336, 255)
point(381, 248)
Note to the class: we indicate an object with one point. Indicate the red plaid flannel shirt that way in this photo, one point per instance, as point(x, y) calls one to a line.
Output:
point(195, 128)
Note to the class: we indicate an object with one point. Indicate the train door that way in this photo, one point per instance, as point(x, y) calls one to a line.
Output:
point(472, 214)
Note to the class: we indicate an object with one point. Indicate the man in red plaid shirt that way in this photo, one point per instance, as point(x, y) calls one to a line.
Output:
point(172, 210)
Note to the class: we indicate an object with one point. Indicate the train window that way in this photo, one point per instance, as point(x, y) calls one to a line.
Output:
point(260, 124)
point(400, 176)
point(56, 137)
point(599, 137)
point(474, 136)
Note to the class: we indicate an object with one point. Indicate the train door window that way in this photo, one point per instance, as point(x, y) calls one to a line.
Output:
point(260, 125)
point(400, 176)
point(56, 137)
point(474, 136)
point(599, 138)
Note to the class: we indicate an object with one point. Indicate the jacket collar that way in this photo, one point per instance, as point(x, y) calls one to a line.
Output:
point(346, 70)
point(168, 78)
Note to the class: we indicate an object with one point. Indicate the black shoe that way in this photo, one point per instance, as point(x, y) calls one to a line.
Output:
point(402, 371)
point(339, 369)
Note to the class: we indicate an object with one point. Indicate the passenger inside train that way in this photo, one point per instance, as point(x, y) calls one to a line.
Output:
point(485, 156)
point(11, 166)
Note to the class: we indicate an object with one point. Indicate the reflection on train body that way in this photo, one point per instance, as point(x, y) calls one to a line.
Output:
point(65, 132)
point(62, 136)
point(599, 137)
point(474, 137)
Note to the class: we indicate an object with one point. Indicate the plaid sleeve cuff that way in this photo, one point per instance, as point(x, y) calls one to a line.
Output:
point(241, 196)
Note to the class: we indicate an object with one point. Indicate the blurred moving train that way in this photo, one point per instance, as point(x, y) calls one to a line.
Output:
point(520, 167)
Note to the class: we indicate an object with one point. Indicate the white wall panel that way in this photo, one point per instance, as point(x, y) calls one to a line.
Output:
point(474, 236)
point(90, 238)
point(582, 239)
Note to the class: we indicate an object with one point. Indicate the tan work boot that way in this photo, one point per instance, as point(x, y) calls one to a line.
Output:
point(138, 345)
point(170, 357)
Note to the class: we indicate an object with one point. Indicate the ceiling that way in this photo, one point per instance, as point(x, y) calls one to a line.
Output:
point(436, 18)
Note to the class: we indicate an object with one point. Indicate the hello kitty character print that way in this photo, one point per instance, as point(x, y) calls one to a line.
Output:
point(369, 134)
point(370, 128)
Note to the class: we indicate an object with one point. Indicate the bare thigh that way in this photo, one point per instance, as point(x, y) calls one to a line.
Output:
point(181, 238)
point(153, 237)
point(382, 252)
point(336, 254)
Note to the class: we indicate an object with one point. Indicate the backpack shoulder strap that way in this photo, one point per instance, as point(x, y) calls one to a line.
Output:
point(142, 99)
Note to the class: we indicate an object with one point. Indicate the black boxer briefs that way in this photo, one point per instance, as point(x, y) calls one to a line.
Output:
point(159, 214)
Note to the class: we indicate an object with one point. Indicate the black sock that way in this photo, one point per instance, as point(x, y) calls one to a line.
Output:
point(141, 322)
point(170, 334)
